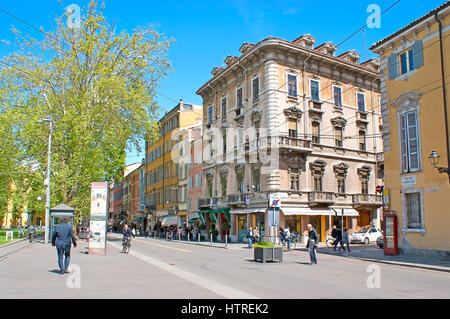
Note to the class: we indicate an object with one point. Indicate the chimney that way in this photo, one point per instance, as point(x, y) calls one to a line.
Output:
point(181, 104)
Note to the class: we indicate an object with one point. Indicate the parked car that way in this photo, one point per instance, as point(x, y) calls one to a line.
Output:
point(365, 235)
point(380, 241)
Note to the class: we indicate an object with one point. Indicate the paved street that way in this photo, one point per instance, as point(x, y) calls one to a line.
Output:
point(161, 269)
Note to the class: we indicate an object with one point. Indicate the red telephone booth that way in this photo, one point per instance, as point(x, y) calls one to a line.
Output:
point(390, 234)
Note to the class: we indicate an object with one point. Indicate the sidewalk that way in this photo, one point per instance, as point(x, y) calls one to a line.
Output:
point(374, 254)
point(32, 272)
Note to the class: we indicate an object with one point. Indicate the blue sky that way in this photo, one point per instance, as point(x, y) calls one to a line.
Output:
point(206, 32)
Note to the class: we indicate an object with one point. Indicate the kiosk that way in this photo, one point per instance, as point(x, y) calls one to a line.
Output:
point(58, 212)
point(390, 234)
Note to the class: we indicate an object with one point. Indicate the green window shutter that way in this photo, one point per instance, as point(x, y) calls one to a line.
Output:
point(392, 65)
point(417, 54)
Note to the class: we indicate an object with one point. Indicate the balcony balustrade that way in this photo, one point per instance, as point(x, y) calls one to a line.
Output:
point(317, 198)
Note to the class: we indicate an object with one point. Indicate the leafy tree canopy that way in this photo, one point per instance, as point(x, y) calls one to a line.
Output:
point(97, 85)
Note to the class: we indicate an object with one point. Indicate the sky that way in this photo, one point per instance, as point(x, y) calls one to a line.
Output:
point(206, 31)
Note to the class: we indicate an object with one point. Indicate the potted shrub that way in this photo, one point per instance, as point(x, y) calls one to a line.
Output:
point(214, 233)
point(266, 251)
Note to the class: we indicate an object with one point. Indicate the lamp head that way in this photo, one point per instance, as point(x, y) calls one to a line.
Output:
point(434, 158)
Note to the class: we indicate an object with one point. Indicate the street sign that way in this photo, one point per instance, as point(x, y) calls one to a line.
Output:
point(247, 200)
point(379, 189)
point(274, 201)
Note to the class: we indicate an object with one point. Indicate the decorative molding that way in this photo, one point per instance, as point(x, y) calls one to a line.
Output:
point(339, 121)
point(293, 112)
point(318, 166)
point(364, 172)
point(407, 101)
point(340, 168)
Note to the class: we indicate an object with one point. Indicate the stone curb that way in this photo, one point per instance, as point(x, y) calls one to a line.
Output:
point(396, 263)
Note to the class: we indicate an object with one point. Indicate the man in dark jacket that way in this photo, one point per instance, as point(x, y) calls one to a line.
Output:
point(62, 237)
point(313, 240)
point(337, 236)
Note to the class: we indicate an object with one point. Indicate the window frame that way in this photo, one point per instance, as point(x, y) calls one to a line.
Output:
point(311, 91)
point(312, 132)
point(340, 95)
point(358, 93)
point(258, 87)
point(405, 151)
point(288, 81)
point(405, 215)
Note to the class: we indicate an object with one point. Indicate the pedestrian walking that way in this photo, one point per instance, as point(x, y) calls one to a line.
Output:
point(31, 231)
point(338, 237)
point(61, 238)
point(250, 235)
point(313, 240)
point(146, 232)
point(345, 240)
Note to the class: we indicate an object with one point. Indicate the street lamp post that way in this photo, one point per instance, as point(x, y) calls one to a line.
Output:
point(47, 208)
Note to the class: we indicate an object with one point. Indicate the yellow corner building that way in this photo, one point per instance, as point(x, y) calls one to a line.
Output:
point(415, 73)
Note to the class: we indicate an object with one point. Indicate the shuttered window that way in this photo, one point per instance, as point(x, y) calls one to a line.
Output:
point(413, 207)
point(292, 126)
point(405, 61)
point(409, 142)
point(316, 133)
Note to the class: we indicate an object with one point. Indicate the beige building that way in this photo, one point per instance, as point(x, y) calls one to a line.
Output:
point(294, 120)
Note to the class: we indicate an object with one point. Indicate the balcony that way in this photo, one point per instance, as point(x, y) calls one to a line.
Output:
point(367, 200)
point(207, 202)
point(294, 142)
point(320, 198)
point(362, 117)
point(237, 199)
point(316, 106)
point(240, 198)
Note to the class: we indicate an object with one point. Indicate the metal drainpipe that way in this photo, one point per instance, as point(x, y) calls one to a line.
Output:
point(444, 93)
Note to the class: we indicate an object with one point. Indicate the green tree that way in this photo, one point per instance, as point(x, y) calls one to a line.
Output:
point(98, 86)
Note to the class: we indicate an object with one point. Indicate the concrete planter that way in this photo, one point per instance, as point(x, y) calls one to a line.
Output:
point(264, 254)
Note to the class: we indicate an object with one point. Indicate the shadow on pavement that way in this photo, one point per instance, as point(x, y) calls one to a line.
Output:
point(55, 271)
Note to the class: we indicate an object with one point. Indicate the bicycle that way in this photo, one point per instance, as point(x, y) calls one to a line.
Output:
point(293, 242)
point(126, 245)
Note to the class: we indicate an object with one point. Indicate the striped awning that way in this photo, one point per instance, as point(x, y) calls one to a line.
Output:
point(247, 210)
point(306, 211)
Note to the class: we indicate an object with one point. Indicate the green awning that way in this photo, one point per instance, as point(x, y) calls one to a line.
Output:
point(192, 220)
point(213, 217)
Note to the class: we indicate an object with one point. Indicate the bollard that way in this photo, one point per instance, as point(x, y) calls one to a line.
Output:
point(210, 235)
point(179, 236)
point(188, 236)
point(226, 240)
point(167, 236)
point(199, 235)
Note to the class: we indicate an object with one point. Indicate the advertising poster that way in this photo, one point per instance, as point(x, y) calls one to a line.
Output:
point(99, 210)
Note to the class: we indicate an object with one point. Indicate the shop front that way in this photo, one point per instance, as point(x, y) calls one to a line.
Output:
point(243, 218)
point(297, 219)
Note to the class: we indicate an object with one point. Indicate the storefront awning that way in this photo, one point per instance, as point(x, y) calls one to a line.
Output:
point(169, 220)
point(247, 210)
point(348, 211)
point(306, 211)
point(213, 214)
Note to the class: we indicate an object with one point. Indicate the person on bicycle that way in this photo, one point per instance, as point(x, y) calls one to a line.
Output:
point(127, 234)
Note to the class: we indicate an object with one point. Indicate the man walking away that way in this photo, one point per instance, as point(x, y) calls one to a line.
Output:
point(250, 237)
point(345, 240)
point(61, 238)
point(313, 240)
point(31, 231)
